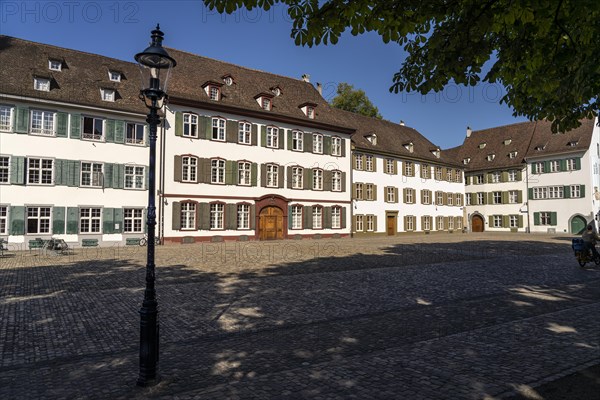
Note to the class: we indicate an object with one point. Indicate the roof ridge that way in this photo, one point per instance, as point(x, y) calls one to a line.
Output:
point(504, 126)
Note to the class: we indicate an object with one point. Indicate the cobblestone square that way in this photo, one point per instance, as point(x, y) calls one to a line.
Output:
point(448, 316)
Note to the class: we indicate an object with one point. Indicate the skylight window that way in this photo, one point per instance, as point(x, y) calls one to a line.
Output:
point(54, 65)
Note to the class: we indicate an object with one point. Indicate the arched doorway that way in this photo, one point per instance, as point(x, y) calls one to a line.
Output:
point(270, 223)
point(578, 224)
point(477, 224)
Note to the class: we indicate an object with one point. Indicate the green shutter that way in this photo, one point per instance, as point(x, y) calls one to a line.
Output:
point(178, 127)
point(254, 174)
point(205, 127)
point(504, 176)
point(289, 216)
point(504, 197)
point(17, 170)
point(120, 132)
point(58, 220)
point(536, 218)
point(546, 166)
point(254, 135)
point(109, 130)
point(22, 120)
point(281, 137)
point(71, 169)
point(204, 216)
point(308, 142)
point(563, 165)
point(253, 216)
point(75, 127)
point(17, 220)
point(231, 131)
point(230, 216)
point(578, 163)
point(343, 214)
point(519, 176)
point(343, 144)
point(118, 220)
point(108, 175)
point(72, 220)
point(230, 173)
point(327, 217)
point(289, 140)
point(263, 136)
point(553, 218)
point(118, 176)
point(505, 221)
point(327, 145)
point(581, 191)
point(108, 216)
point(343, 181)
point(491, 221)
point(327, 180)
point(530, 190)
point(177, 169)
point(62, 124)
point(519, 196)
point(307, 214)
point(289, 177)
point(520, 221)
point(176, 216)
point(146, 177)
point(566, 192)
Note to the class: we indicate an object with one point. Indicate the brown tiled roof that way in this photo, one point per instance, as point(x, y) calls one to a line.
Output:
point(496, 143)
point(79, 82)
point(391, 139)
point(545, 143)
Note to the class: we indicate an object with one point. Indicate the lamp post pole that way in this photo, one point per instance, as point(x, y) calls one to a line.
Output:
point(152, 61)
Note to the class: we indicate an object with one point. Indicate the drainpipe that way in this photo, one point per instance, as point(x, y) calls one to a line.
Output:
point(527, 194)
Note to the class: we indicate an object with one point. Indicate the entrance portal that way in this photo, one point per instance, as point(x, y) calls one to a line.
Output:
point(391, 225)
point(578, 224)
point(270, 223)
point(477, 223)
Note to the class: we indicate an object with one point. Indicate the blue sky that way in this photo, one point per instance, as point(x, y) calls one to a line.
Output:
point(259, 40)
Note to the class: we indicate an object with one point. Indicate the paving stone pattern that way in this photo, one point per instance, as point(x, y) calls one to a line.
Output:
point(454, 316)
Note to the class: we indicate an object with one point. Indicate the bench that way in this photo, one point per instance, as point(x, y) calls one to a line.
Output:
point(36, 244)
point(132, 241)
point(3, 247)
point(89, 242)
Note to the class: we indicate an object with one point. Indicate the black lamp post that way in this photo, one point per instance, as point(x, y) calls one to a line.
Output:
point(153, 62)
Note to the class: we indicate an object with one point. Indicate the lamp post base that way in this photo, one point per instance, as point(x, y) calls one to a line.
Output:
point(149, 340)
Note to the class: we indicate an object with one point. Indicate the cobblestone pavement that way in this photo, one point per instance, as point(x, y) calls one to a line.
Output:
point(453, 316)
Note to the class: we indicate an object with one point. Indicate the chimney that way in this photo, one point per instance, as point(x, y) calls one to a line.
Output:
point(469, 131)
point(306, 78)
point(401, 122)
point(320, 88)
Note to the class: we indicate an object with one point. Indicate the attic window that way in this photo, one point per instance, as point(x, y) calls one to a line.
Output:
point(276, 91)
point(107, 94)
point(506, 142)
point(512, 154)
point(490, 157)
point(573, 143)
point(409, 146)
point(482, 145)
point(228, 79)
point(372, 138)
point(42, 84)
point(114, 76)
point(540, 147)
point(264, 102)
point(55, 65)
point(436, 153)
point(466, 160)
point(310, 112)
point(214, 92)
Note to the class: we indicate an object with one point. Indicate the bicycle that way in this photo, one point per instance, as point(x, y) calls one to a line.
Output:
point(144, 240)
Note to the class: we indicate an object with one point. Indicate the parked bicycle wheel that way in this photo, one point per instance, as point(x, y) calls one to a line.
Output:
point(143, 241)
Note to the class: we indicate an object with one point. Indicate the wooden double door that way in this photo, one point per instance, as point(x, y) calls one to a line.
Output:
point(270, 223)
point(477, 224)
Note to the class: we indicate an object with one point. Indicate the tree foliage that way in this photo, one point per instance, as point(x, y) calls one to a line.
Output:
point(356, 101)
point(544, 52)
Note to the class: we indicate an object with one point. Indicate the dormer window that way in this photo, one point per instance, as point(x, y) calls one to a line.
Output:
point(310, 112)
point(436, 153)
point(114, 76)
point(540, 147)
point(466, 160)
point(214, 93)
point(265, 103)
point(482, 145)
point(409, 146)
point(573, 143)
point(372, 138)
point(107, 94)
point(276, 91)
point(54, 65)
point(228, 80)
point(42, 84)
point(506, 142)
point(490, 157)
point(512, 154)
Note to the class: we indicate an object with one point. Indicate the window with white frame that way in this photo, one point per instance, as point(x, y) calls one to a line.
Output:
point(468, 199)
point(390, 166)
point(575, 191)
point(359, 191)
point(390, 194)
point(358, 162)
point(427, 223)
point(440, 223)
point(188, 215)
point(513, 221)
point(272, 175)
point(555, 192)
point(317, 179)
point(512, 175)
point(5, 118)
point(425, 171)
point(545, 218)
point(537, 168)
point(336, 146)
point(479, 179)
point(245, 133)
point(426, 196)
point(297, 178)
point(93, 128)
point(497, 221)
point(38, 219)
point(265, 103)
point(189, 169)
point(310, 112)
point(450, 199)
point(370, 223)
point(369, 191)
point(570, 164)
point(336, 217)
point(497, 197)
point(450, 223)
point(408, 168)
point(459, 223)
point(317, 217)
point(40, 171)
point(336, 181)
point(134, 177)
point(244, 173)
point(512, 154)
point(190, 125)
point(91, 174)
point(480, 199)
point(214, 93)
point(554, 166)
point(134, 133)
point(459, 199)
point(438, 173)
point(410, 196)
point(4, 169)
point(449, 174)
point(359, 224)
point(133, 220)
point(296, 217)
point(218, 129)
point(297, 140)
point(42, 122)
point(90, 219)
point(410, 223)
point(540, 193)
point(217, 211)
point(513, 196)
point(107, 94)
point(54, 65)
point(3, 220)
point(243, 216)
point(369, 160)
point(439, 198)
point(272, 137)
point(217, 171)
point(495, 177)
point(317, 143)
point(42, 84)
point(114, 76)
